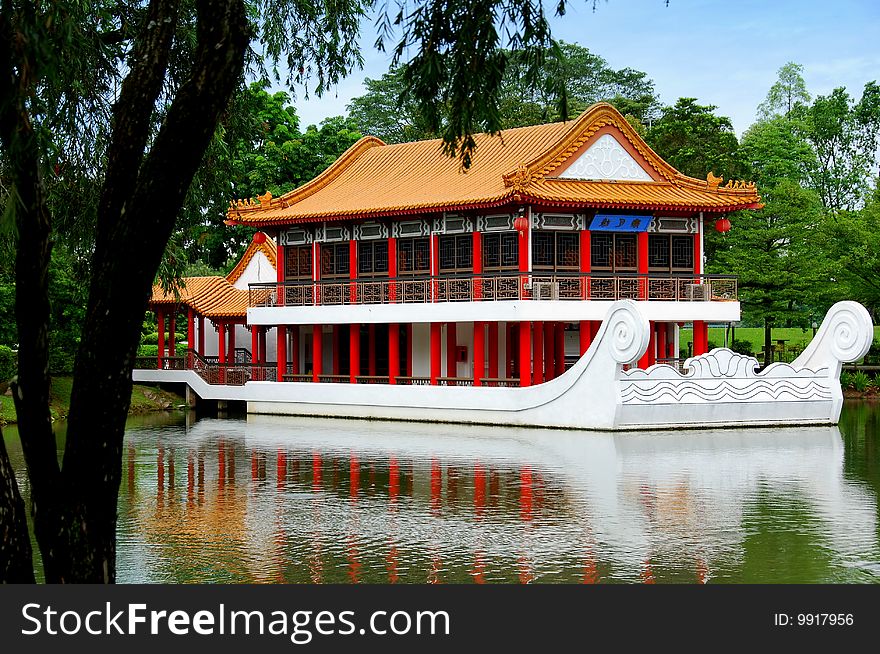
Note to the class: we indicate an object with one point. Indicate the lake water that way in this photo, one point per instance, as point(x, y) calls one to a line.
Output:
point(266, 499)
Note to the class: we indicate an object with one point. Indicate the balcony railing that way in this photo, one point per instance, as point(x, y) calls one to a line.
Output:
point(574, 286)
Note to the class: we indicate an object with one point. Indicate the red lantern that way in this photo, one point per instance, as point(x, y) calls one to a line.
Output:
point(259, 237)
point(722, 225)
point(521, 224)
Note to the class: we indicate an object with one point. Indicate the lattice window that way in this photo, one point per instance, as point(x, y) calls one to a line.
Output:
point(658, 252)
point(414, 256)
point(601, 247)
point(555, 251)
point(334, 260)
point(625, 252)
point(613, 252)
point(683, 253)
point(298, 262)
point(373, 258)
point(500, 251)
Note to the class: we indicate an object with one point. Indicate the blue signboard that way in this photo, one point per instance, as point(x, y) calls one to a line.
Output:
point(612, 222)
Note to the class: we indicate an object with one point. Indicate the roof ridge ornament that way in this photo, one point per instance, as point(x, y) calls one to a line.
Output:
point(712, 182)
point(519, 179)
point(265, 199)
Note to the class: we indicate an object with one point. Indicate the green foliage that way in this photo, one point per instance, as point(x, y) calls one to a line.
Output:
point(846, 379)
point(148, 351)
point(696, 141)
point(8, 363)
point(568, 79)
point(742, 347)
point(860, 381)
point(789, 91)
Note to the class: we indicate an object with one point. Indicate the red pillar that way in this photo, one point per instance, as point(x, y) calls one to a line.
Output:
point(371, 340)
point(661, 340)
point(479, 354)
point(160, 327)
point(701, 337)
point(409, 346)
point(585, 266)
point(538, 352)
point(647, 357)
point(352, 270)
point(230, 352)
point(336, 340)
point(524, 248)
point(435, 264)
point(294, 349)
point(280, 270)
point(508, 350)
point(525, 354)
point(354, 350)
point(172, 327)
point(201, 335)
point(451, 346)
point(392, 269)
point(698, 258)
point(317, 351)
point(477, 260)
point(642, 263)
point(281, 350)
point(549, 350)
point(190, 332)
point(393, 352)
point(586, 336)
point(559, 350)
point(493, 349)
point(435, 352)
point(255, 344)
point(264, 357)
point(221, 342)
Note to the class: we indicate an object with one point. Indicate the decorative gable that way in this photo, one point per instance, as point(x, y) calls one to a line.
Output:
point(606, 159)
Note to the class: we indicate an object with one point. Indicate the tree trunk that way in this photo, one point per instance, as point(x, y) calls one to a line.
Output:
point(16, 557)
point(768, 342)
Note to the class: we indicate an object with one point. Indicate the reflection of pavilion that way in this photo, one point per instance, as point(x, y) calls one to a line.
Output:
point(376, 501)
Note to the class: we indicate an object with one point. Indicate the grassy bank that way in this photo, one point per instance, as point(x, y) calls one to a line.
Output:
point(794, 336)
point(143, 400)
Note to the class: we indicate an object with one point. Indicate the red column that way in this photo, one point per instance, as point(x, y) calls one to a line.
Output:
point(230, 352)
point(435, 352)
point(279, 260)
point(701, 337)
point(255, 344)
point(172, 327)
point(294, 349)
point(160, 327)
point(559, 350)
point(451, 346)
point(264, 356)
point(336, 340)
point(317, 351)
point(525, 354)
point(493, 349)
point(201, 335)
point(585, 264)
point(585, 336)
point(477, 258)
point(393, 352)
point(648, 357)
point(409, 347)
point(435, 264)
point(642, 263)
point(594, 328)
point(661, 340)
point(698, 259)
point(538, 352)
point(190, 332)
point(508, 350)
point(479, 354)
point(352, 270)
point(371, 344)
point(281, 350)
point(524, 249)
point(392, 269)
point(221, 341)
point(354, 352)
point(549, 350)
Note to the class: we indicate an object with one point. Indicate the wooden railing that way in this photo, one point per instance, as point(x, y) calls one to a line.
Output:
point(476, 288)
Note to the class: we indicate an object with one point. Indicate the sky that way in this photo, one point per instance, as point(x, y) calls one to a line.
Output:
point(722, 53)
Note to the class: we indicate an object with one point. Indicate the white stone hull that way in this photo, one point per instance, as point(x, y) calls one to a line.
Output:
point(720, 388)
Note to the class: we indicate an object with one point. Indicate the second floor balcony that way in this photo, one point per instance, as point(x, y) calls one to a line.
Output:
point(496, 287)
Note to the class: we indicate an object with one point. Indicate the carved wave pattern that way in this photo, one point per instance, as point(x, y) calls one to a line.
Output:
point(666, 391)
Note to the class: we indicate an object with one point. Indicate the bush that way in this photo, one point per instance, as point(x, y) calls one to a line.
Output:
point(846, 379)
point(8, 363)
point(711, 345)
point(742, 347)
point(150, 339)
point(60, 361)
point(148, 351)
point(860, 381)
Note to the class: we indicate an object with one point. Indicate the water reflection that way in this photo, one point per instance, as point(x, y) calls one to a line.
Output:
point(318, 501)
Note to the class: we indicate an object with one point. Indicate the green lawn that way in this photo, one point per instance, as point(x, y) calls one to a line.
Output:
point(795, 336)
point(143, 399)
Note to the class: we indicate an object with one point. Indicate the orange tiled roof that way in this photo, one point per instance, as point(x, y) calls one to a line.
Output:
point(519, 166)
point(216, 297)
